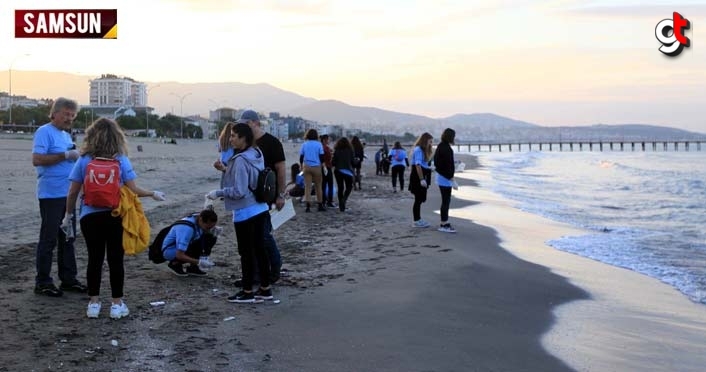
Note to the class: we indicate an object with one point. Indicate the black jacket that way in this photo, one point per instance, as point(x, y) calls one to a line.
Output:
point(444, 160)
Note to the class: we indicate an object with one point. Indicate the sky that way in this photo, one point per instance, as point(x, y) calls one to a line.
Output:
point(554, 62)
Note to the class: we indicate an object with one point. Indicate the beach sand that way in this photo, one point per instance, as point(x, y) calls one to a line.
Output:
point(364, 290)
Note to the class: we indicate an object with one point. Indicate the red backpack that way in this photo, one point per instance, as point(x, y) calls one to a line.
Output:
point(101, 185)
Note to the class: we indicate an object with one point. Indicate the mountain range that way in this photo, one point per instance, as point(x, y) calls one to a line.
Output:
point(199, 98)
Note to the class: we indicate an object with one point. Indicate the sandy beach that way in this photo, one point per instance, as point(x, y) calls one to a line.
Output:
point(364, 290)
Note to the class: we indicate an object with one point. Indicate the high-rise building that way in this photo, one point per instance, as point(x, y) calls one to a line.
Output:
point(114, 91)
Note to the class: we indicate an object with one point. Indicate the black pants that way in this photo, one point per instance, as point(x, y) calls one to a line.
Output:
point(104, 237)
point(345, 184)
point(398, 173)
point(201, 247)
point(250, 235)
point(445, 202)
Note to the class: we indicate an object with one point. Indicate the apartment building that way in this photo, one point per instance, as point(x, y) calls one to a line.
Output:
point(115, 91)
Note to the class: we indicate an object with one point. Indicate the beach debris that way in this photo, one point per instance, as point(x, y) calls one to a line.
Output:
point(228, 319)
point(276, 301)
point(114, 342)
point(157, 303)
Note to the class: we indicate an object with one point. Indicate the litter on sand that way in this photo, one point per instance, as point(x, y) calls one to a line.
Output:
point(229, 318)
point(158, 303)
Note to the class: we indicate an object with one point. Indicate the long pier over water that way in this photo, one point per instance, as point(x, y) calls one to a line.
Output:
point(687, 145)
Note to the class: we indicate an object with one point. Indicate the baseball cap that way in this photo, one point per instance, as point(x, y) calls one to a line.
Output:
point(248, 115)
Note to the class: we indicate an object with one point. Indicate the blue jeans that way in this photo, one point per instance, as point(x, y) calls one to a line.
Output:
point(52, 212)
point(271, 247)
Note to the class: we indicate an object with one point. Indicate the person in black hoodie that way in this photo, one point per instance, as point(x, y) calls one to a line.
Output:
point(444, 164)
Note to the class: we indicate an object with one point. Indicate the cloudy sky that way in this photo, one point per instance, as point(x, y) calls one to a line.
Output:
point(548, 62)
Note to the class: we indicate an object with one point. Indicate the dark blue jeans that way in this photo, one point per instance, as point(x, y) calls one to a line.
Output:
point(50, 235)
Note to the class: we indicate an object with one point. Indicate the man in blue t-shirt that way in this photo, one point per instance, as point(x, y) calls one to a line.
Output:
point(191, 243)
point(54, 155)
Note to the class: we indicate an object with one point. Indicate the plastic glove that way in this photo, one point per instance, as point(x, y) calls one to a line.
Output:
point(71, 155)
point(423, 183)
point(206, 263)
point(215, 231)
point(158, 196)
point(67, 225)
point(454, 185)
point(208, 203)
point(213, 194)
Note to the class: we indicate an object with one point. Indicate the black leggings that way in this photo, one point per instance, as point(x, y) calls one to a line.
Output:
point(343, 192)
point(398, 173)
point(328, 185)
point(445, 202)
point(250, 235)
point(103, 234)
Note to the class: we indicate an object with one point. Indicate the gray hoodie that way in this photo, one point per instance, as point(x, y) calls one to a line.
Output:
point(240, 177)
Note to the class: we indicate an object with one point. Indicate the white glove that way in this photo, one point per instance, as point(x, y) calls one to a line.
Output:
point(423, 183)
point(208, 203)
point(71, 155)
point(454, 185)
point(67, 225)
point(205, 263)
point(215, 231)
point(158, 196)
point(213, 194)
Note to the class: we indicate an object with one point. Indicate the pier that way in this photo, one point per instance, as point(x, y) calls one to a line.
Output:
point(653, 146)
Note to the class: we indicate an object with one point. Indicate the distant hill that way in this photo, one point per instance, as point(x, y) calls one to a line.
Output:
point(199, 98)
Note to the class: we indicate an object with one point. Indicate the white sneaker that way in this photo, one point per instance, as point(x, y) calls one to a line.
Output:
point(94, 308)
point(446, 228)
point(119, 311)
point(421, 223)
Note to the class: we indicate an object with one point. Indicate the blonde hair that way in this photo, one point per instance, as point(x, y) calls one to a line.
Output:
point(224, 137)
point(104, 138)
point(422, 142)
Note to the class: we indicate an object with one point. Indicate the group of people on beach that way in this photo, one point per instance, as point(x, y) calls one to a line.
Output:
point(244, 150)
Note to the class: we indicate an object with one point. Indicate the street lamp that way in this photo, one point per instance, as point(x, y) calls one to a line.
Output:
point(10, 77)
point(147, 114)
point(181, 108)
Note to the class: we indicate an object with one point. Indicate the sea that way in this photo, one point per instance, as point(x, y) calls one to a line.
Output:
point(641, 210)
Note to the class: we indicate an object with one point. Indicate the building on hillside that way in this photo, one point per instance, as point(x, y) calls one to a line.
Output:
point(223, 114)
point(112, 96)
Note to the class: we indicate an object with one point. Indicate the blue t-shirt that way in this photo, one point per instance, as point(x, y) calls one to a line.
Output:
point(78, 174)
point(443, 181)
point(249, 212)
point(226, 155)
point(311, 150)
point(179, 237)
point(52, 180)
point(418, 158)
point(397, 157)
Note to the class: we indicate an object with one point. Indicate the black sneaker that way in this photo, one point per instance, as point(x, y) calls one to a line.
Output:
point(194, 270)
point(177, 268)
point(74, 287)
point(48, 290)
point(264, 294)
point(331, 205)
point(243, 297)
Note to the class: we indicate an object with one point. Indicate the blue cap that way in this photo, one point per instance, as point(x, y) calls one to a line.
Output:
point(248, 115)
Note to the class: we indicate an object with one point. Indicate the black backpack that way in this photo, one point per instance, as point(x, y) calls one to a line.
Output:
point(266, 189)
point(156, 254)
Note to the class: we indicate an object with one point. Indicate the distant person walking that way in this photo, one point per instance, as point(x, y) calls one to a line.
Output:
point(399, 162)
point(102, 231)
point(343, 170)
point(53, 156)
point(358, 157)
point(445, 167)
point(311, 157)
point(420, 176)
point(327, 172)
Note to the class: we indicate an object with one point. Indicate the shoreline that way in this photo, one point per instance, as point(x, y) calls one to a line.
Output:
point(630, 321)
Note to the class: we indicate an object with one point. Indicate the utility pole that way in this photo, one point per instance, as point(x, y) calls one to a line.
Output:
point(147, 112)
point(181, 109)
point(10, 83)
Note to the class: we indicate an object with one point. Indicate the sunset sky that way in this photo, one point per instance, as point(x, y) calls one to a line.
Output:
point(547, 62)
